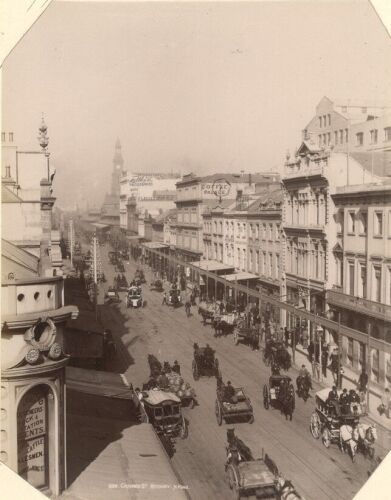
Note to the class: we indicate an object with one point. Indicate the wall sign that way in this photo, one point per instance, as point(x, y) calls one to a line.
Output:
point(32, 437)
point(141, 180)
point(220, 188)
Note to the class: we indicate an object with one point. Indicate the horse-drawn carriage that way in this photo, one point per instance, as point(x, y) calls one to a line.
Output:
point(112, 295)
point(341, 425)
point(224, 324)
point(249, 335)
point(134, 297)
point(157, 285)
point(120, 283)
point(255, 478)
point(238, 407)
point(164, 412)
point(279, 392)
point(139, 276)
point(275, 354)
point(208, 311)
point(205, 363)
point(174, 297)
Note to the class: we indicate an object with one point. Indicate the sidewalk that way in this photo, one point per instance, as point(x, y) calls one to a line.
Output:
point(349, 380)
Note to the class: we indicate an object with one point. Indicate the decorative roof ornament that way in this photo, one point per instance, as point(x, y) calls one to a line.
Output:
point(43, 139)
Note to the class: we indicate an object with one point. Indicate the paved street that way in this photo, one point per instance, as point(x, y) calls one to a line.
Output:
point(318, 473)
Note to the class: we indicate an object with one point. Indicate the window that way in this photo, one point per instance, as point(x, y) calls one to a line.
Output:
point(329, 138)
point(277, 232)
point(277, 266)
point(346, 135)
point(359, 139)
point(270, 265)
point(341, 136)
point(363, 281)
point(270, 231)
point(264, 231)
point(377, 283)
point(319, 140)
point(351, 222)
point(339, 269)
point(11, 136)
point(387, 134)
point(363, 222)
point(373, 134)
point(389, 223)
point(3, 137)
point(378, 224)
point(336, 137)
point(351, 278)
point(329, 119)
point(375, 365)
point(257, 231)
point(320, 122)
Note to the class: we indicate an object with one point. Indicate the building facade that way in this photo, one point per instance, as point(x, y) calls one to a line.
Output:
point(33, 424)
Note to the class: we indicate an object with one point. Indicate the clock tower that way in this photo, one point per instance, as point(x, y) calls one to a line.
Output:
point(118, 166)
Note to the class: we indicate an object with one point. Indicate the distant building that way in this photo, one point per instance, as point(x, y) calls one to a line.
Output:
point(350, 126)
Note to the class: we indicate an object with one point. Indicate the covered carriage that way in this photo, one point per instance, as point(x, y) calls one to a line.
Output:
point(208, 311)
point(112, 295)
point(248, 335)
point(327, 419)
point(157, 285)
point(163, 411)
point(174, 297)
point(224, 324)
point(239, 407)
point(134, 297)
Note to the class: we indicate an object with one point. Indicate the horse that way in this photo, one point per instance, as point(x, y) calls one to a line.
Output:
point(367, 434)
point(286, 490)
point(287, 402)
point(348, 439)
point(303, 386)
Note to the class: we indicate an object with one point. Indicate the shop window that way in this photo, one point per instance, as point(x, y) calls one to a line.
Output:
point(359, 139)
point(387, 134)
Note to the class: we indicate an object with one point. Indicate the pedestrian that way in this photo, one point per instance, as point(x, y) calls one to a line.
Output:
point(304, 339)
point(362, 381)
point(164, 301)
point(176, 367)
point(188, 308)
point(311, 350)
point(325, 358)
point(384, 407)
point(286, 336)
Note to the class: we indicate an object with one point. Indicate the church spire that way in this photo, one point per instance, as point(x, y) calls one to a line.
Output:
point(118, 159)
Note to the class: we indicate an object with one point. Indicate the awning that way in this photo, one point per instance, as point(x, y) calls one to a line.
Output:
point(97, 382)
point(133, 237)
point(153, 245)
point(99, 225)
point(243, 276)
point(212, 265)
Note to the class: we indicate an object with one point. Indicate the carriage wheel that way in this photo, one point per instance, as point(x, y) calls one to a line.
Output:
point(219, 415)
point(236, 337)
point(315, 425)
point(265, 397)
point(326, 437)
point(184, 429)
point(196, 374)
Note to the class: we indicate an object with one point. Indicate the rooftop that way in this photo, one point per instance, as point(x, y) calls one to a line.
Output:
point(378, 162)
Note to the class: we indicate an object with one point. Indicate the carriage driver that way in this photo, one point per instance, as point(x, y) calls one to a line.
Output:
point(332, 399)
point(229, 392)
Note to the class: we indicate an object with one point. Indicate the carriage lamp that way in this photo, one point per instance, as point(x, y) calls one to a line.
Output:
point(55, 351)
point(32, 356)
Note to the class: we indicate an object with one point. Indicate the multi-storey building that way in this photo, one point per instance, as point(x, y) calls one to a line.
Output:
point(361, 294)
point(308, 221)
point(350, 126)
point(32, 325)
point(195, 195)
point(110, 211)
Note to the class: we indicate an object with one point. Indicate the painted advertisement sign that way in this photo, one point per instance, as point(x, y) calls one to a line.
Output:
point(219, 188)
point(141, 180)
point(32, 429)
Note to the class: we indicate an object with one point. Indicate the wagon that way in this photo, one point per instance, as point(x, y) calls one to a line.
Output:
point(174, 297)
point(326, 419)
point(254, 478)
point(205, 364)
point(224, 324)
point(271, 391)
point(239, 408)
point(247, 335)
point(112, 295)
point(208, 311)
point(163, 410)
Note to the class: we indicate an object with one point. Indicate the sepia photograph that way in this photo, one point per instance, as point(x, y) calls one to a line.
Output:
point(195, 249)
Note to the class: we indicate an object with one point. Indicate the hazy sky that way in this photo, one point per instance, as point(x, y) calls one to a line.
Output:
point(190, 86)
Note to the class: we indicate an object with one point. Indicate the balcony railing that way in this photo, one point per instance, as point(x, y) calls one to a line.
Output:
point(364, 306)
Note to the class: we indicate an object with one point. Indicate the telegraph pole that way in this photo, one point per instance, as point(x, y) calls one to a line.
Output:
point(71, 237)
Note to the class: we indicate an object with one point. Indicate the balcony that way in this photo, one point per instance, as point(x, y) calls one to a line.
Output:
point(363, 306)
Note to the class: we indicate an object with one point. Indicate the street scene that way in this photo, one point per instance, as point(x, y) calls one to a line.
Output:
point(196, 258)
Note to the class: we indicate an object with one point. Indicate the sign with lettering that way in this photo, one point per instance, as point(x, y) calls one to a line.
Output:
point(219, 188)
point(32, 428)
point(141, 180)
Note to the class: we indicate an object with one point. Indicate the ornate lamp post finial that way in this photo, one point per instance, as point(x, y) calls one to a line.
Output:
point(43, 139)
